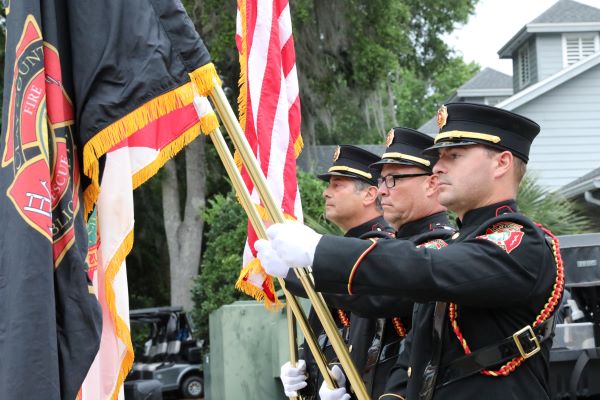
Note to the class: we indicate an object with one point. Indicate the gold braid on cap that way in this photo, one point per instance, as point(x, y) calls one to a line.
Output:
point(407, 157)
point(353, 170)
point(467, 135)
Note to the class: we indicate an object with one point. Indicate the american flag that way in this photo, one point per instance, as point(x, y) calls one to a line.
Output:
point(269, 106)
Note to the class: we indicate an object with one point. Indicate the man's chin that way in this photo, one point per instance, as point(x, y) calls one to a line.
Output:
point(445, 199)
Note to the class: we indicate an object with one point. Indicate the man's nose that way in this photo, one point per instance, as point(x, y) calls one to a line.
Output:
point(382, 190)
point(439, 168)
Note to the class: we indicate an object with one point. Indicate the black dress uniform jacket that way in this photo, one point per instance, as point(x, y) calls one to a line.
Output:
point(374, 338)
point(376, 227)
point(498, 269)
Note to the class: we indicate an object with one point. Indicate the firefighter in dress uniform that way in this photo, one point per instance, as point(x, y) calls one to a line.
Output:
point(352, 204)
point(408, 192)
point(484, 324)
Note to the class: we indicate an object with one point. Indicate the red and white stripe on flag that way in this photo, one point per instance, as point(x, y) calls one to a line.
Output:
point(270, 117)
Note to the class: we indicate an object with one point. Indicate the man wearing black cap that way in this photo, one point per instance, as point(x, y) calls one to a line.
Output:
point(409, 196)
point(351, 203)
point(495, 286)
point(408, 192)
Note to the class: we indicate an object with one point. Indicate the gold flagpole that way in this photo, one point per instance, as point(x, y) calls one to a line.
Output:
point(241, 144)
point(259, 227)
point(293, 345)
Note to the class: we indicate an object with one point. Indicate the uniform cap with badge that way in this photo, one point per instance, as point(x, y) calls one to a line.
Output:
point(352, 162)
point(405, 147)
point(464, 124)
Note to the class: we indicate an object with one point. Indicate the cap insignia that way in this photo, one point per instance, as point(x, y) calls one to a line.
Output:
point(389, 138)
point(336, 154)
point(442, 116)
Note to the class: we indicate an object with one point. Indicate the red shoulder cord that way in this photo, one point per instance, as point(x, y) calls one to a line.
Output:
point(343, 318)
point(398, 326)
point(549, 307)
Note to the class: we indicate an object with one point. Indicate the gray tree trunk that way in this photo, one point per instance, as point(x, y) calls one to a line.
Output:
point(391, 100)
point(184, 229)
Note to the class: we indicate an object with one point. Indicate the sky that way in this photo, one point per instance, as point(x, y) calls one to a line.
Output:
point(494, 23)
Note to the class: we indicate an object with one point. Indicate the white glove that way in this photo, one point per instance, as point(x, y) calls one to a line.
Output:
point(293, 379)
point(335, 394)
point(294, 243)
point(272, 264)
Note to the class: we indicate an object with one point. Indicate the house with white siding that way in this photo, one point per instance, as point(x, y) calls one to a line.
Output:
point(556, 82)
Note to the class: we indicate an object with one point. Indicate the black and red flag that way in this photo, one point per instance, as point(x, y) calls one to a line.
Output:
point(82, 77)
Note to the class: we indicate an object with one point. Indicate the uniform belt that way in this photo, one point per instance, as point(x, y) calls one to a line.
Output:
point(373, 355)
point(430, 374)
point(525, 342)
point(390, 351)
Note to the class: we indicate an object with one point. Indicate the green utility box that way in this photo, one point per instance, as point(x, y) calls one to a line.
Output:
point(248, 345)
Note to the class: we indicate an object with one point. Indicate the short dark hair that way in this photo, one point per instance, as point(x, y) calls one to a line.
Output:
point(520, 166)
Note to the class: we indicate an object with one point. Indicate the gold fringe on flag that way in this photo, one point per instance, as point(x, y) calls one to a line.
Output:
point(209, 123)
point(204, 78)
point(243, 83)
point(121, 328)
point(166, 153)
point(254, 267)
point(298, 146)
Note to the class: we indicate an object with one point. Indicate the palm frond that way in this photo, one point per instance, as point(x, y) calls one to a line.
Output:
point(550, 209)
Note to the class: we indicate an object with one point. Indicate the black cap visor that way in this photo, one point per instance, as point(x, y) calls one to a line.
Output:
point(326, 176)
point(378, 166)
point(433, 150)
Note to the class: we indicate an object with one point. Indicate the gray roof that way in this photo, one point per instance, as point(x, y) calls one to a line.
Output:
point(488, 78)
point(317, 159)
point(582, 184)
point(569, 14)
point(430, 127)
point(568, 11)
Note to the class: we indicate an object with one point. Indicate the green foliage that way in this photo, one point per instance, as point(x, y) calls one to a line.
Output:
point(561, 216)
point(552, 210)
point(148, 263)
point(225, 237)
point(418, 97)
point(348, 52)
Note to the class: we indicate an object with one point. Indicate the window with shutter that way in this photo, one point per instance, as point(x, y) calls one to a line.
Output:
point(578, 46)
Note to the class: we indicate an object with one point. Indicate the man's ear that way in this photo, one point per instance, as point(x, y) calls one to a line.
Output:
point(504, 163)
point(431, 185)
point(370, 195)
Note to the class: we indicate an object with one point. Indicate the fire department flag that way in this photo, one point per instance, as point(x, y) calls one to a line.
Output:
point(270, 116)
point(49, 317)
point(84, 80)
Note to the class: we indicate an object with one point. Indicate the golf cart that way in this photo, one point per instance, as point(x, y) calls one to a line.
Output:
point(575, 354)
point(169, 359)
